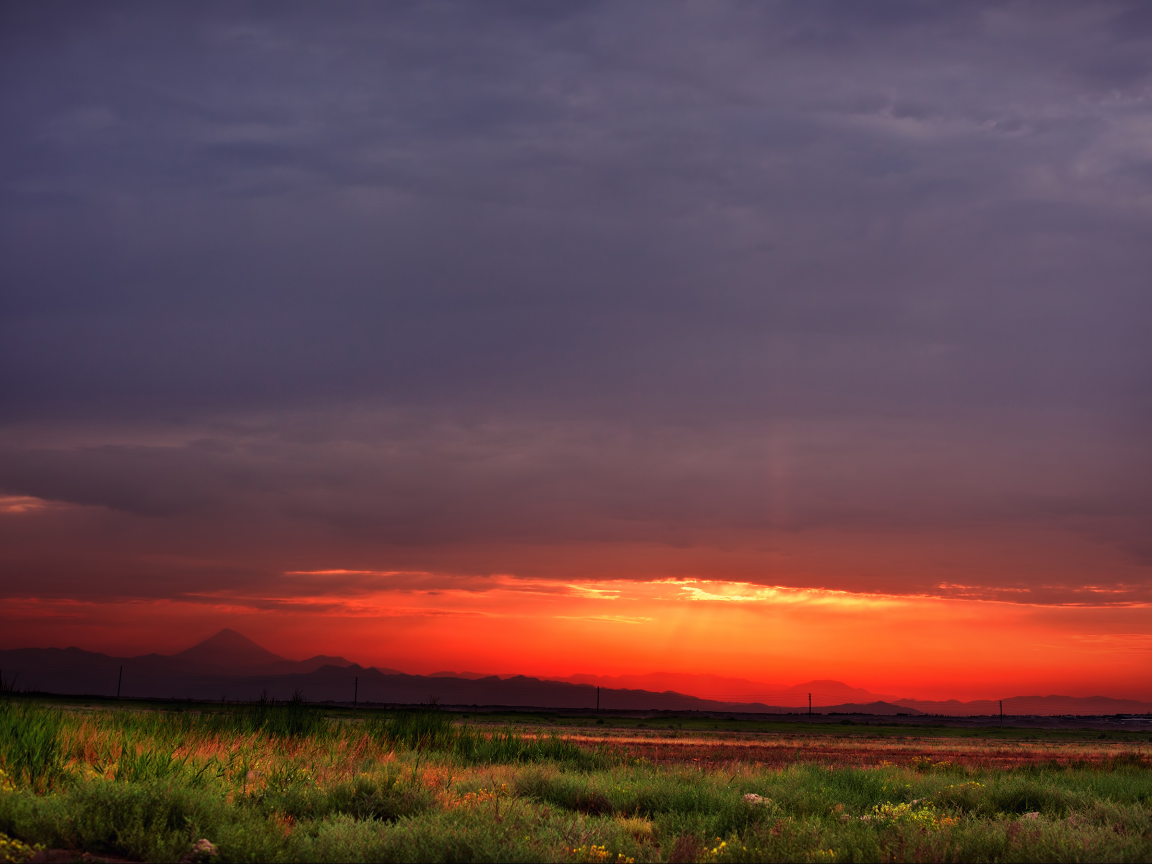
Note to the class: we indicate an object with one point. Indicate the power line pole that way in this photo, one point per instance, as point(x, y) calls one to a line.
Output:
point(597, 698)
point(119, 681)
point(1001, 713)
point(809, 707)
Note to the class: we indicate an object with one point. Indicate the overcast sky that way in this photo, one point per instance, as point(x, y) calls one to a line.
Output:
point(853, 296)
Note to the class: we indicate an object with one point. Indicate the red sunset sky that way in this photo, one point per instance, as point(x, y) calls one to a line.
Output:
point(773, 341)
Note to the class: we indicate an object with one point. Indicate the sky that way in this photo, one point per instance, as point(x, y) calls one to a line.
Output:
point(773, 340)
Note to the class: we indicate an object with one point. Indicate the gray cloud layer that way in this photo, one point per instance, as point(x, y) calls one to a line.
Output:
point(643, 273)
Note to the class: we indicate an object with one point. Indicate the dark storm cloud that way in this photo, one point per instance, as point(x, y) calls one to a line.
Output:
point(625, 273)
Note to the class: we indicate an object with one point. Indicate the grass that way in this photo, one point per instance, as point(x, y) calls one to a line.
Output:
point(290, 782)
point(435, 732)
point(30, 742)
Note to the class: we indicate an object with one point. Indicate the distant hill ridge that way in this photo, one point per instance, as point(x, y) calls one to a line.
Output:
point(727, 689)
point(229, 665)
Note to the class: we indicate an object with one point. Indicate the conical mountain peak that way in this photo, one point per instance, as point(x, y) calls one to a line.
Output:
point(228, 649)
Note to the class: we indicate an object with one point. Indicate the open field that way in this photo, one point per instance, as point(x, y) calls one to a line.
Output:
point(877, 743)
point(297, 782)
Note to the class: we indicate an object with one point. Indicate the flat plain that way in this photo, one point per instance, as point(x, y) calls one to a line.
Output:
point(165, 781)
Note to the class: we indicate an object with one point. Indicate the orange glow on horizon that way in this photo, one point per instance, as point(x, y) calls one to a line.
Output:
point(907, 646)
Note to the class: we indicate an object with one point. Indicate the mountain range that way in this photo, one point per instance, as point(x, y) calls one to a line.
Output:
point(823, 692)
point(229, 666)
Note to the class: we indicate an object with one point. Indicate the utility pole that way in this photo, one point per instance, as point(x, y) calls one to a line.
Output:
point(1001, 713)
point(356, 692)
point(809, 707)
point(597, 698)
point(119, 681)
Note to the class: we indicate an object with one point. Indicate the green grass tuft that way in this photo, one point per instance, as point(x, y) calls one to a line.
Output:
point(30, 742)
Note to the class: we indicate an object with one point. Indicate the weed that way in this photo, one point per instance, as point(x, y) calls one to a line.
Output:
point(30, 742)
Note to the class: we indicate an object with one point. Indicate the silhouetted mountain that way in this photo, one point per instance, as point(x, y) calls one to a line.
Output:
point(824, 693)
point(227, 655)
point(471, 676)
point(231, 666)
point(886, 708)
point(289, 667)
point(64, 670)
point(228, 650)
point(1025, 705)
point(702, 686)
point(232, 653)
